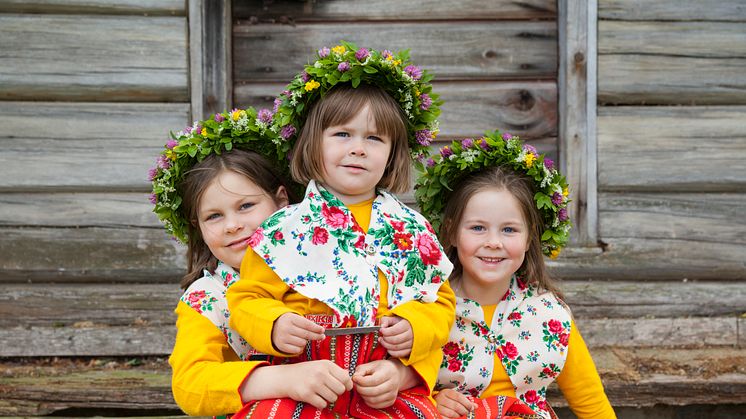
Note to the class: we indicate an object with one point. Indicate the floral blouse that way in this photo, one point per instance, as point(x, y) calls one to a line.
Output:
point(529, 333)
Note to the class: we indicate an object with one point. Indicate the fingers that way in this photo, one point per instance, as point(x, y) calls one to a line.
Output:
point(377, 383)
point(307, 329)
point(453, 404)
point(391, 326)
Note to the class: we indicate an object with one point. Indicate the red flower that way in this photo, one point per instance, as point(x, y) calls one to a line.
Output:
point(257, 237)
point(555, 326)
point(542, 405)
point(360, 243)
point(474, 392)
point(564, 339)
point(510, 350)
point(450, 349)
point(320, 235)
point(429, 228)
point(531, 396)
point(436, 279)
point(278, 235)
point(454, 364)
point(403, 241)
point(429, 251)
point(335, 217)
point(548, 372)
point(514, 316)
point(196, 296)
point(349, 321)
point(398, 225)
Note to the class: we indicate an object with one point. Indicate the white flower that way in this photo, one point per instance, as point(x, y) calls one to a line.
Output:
point(469, 155)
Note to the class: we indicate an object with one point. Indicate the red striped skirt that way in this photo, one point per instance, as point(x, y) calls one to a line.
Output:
point(501, 407)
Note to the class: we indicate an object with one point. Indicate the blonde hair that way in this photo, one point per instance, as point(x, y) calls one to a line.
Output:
point(533, 270)
point(340, 105)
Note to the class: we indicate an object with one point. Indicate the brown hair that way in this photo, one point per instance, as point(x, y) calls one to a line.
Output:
point(196, 181)
point(340, 105)
point(533, 269)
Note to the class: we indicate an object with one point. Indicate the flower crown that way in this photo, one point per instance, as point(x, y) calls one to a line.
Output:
point(443, 172)
point(241, 129)
point(406, 83)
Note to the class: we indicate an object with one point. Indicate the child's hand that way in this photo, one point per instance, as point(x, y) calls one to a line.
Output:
point(317, 383)
point(377, 382)
point(452, 404)
point(397, 336)
point(291, 331)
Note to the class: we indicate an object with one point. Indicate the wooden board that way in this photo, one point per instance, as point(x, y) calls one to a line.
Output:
point(528, 109)
point(93, 58)
point(666, 149)
point(451, 51)
point(699, 10)
point(688, 63)
point(83, 146)
point(392, 10)
point(109, 7)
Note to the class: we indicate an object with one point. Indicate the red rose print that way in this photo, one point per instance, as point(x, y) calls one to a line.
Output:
point(531, 396)
point(429, 251)
point(555, 326)
point(564, 339)
point(548, 372)
point(349, 321)
point(454, 365)
point(320, 235)
point(257, 237)
point(436, 279)
point(398, 225)
point(403, 241)
point(450, 349)
point(429, 228)
point(333, 216)
point(542, 405)
point(196, 296)
point(510, 350)
point(514, 316)
point(360, 243)
point(278, 235)
point(474, 392)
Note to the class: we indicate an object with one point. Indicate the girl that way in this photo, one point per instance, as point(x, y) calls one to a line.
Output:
point(513, 334)
point(223, 199)
point(350, 257)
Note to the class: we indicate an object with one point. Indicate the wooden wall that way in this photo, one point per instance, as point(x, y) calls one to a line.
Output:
point(88, 93)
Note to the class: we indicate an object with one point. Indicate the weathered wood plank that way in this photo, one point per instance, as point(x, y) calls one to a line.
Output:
point(108, 7)
point(93, 58)
point(80, 145)
point(722, 10)
point(700, 217)
point(527, 109)
point(678, 332)
point(89, 255)
point(451, 51)
point(672, 149)
point(655, 63)
point(343, 10)
point(210, 29)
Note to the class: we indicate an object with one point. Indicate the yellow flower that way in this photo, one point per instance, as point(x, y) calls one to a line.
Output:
point(416, 92)
point(397, 62)
point(311, 84)
point(565, 192)
point(170, 154)
point(529, 159)
point(554, 254)
point(434, 134)
point(238, 114)
point(339, 49)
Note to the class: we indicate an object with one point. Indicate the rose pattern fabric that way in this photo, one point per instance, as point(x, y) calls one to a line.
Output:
point(327, 256)
point(529, 333)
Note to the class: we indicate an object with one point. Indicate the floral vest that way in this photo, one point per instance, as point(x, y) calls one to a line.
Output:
point(529, 333)
point(317, 248)
point(207, 297)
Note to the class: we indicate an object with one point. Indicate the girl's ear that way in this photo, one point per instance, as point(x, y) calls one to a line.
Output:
point(281, 197)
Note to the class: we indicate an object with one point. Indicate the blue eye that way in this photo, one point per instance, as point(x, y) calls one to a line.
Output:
point(478, 228)
point(342, 134)
point(509, 230)
point(374, 138)
point(246, 205)
point(212, 216)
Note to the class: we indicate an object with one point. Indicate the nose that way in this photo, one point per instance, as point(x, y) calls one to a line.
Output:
point(494, 242)
point(357, 148)
point(232, 226)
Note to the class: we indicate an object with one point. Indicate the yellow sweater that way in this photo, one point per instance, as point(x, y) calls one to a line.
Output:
point(206, 370)
point(578, 381)
point(260, 297)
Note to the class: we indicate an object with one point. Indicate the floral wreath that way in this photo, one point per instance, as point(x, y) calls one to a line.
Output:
point(462, 157)
point(406, 83)
point(242, 129)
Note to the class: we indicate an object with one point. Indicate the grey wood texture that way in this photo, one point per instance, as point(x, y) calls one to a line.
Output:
point(665, 149)
point(722, 10)
point(93, 58)
point(83, 146)
point(684, 63)
point(506, 49)
point(528, 109)
point(577, 116)
point(393, 10)
point(108, 7)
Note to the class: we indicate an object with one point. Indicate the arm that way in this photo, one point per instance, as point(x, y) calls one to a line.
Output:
point(206, 372)
point(580, 383)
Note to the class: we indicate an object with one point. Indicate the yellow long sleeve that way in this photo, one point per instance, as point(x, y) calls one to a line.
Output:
point(206, 371)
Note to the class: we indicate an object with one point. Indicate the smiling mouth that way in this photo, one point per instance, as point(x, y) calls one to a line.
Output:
point(491, 260)
point(244, 241)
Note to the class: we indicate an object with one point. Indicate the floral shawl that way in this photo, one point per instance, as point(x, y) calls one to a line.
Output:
point(529, 332)
point(207, 297)
point(319, 250)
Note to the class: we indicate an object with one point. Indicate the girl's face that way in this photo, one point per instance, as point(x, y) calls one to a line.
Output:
point(492, 240)
point(355, 156)
point(232, 207)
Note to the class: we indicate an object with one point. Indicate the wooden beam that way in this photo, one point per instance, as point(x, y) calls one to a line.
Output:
point(577, 115)
point(102, 7)
point(210, 56)
point(662, 10)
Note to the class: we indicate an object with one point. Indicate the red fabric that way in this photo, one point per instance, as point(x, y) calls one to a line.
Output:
point(501, 407)
point(350, 351)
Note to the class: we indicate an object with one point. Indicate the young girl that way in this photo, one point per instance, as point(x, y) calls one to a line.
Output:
point(350, 258)
point(513, 334)
point(220, 201)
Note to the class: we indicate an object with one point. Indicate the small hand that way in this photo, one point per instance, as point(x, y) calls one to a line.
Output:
point(397, 336)
point(377, 382)
point(452, 404)
point(291, 332)
point(317, 383)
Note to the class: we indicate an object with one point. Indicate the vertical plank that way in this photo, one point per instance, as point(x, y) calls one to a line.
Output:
point(210, 40)
point(577, 114)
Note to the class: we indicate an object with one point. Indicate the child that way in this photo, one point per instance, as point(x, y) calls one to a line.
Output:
point(351, 255)
point(214, 205)
point(513, 334)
